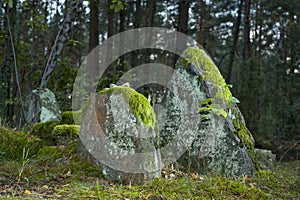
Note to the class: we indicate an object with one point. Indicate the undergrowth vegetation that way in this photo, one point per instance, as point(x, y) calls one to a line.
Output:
point(29, 170)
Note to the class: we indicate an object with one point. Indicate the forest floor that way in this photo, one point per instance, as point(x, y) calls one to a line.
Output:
point(55, 172)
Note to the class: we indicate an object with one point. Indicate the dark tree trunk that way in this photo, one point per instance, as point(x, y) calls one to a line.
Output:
point(149, 22)
point(201, 31)
point(182, 27)
point(110, 32)
point(135, 54)
point(111, 15)
point(247, 43)
point(122, 42)
point(6, 74)
point(235, 41)
point(94, 24)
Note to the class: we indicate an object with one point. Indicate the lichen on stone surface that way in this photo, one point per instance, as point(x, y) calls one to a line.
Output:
point(138, 103)
point(223, 103)
point(219, 147)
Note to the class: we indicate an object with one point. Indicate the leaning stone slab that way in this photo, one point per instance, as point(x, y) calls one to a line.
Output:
point(215, 136)
point(41, 106)
point(119, 135)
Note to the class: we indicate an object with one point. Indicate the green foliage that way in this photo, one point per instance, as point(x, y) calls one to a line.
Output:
point(25, 161)
point(118, 5)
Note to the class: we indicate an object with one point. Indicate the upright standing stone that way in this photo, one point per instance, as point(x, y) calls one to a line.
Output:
point(221, 143)
point(41, 106)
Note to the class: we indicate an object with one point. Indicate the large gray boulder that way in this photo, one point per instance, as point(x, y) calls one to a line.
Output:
point(203, 112)
point(118, 135)
point(41, 106)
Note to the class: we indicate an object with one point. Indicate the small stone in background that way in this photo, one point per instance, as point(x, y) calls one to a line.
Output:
point(265, 158)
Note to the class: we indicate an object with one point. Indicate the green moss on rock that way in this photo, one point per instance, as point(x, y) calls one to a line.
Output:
point(65, 133)
point(71, 117)
point(139, 104)
point(223, 103)
point(43, 130)
point(198, 57)
point(12, 144)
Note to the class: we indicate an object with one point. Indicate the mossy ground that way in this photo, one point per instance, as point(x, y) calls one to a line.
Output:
point(55, 172)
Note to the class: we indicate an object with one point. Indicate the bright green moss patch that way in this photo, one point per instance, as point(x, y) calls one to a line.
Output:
point(12, 144)
point(139, 104)
point(65, 133)
point(198, 57)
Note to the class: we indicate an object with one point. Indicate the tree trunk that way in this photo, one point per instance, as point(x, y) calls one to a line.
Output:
point(94, 23)
point(61, 39)
point(6, 75)
point(110, 32)
point(201, 31)
point(247, 43)
point(183, 18)
point(149, 22)
point(134, 58)
point(235, 41)
point(122, 42)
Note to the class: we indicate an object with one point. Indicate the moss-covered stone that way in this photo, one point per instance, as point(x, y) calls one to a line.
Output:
point(222, 96)
point(71, 117)
point(13, 143)
point(139, 104)
point(63, 134)
point(43, 130)
point(209, 72)
point(119, 125)
point(222, 145)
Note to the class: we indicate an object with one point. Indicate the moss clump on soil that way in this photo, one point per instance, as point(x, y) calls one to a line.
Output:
point(12, 144)
point(138, 103)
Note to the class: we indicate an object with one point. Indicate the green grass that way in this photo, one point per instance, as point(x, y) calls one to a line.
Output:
point(55, 172)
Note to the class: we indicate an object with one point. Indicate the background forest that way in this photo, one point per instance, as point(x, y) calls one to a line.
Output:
point(254, 43)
